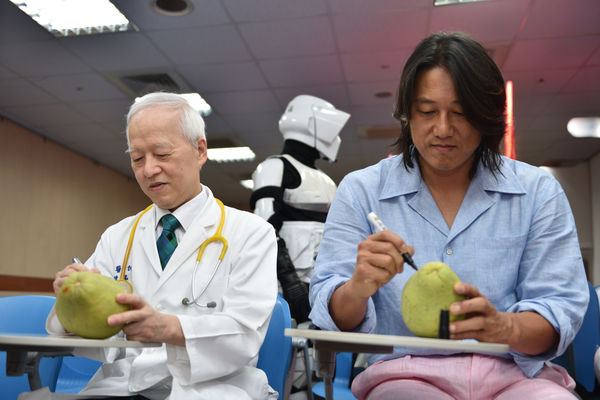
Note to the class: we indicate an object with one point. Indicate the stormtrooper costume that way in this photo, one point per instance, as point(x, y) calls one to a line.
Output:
point(294, 195)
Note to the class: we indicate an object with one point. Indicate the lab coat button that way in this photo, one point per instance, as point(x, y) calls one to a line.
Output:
point(449, 251)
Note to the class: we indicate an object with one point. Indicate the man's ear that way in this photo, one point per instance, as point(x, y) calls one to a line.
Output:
point(202, 149)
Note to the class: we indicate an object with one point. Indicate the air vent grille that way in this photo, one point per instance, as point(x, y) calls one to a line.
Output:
point(146, 83)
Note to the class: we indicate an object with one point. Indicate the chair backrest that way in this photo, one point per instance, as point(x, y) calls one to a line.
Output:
point(343, 369)
point(26, 314)
point(341, 381)
point(276, 352)
point(579, 357)
point(75, 373)
point(586, 343)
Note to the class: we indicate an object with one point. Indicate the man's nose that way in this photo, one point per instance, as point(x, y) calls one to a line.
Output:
point(443, 126)
point(151, 167)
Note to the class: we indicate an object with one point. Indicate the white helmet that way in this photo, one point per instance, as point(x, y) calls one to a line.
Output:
point(314, 122)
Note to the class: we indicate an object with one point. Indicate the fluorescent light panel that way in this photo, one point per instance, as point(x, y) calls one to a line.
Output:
point(439, 3)
point(75, 17)
point(231, 154)
point(198, 103)
point(584, 127)
point(247, 183)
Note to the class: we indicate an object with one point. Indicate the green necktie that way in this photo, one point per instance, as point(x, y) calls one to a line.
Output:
point(167, 242)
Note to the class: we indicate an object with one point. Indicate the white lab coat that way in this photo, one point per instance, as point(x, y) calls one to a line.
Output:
point(222, 343)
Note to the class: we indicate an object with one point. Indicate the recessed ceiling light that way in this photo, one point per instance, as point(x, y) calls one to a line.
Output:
point(584, 127)
point(172, 8)
point(439, 3)
point(383, 95)
point(75, 17)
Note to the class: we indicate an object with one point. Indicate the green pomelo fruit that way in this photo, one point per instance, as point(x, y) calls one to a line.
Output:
point(427, 292)
point(84, 303)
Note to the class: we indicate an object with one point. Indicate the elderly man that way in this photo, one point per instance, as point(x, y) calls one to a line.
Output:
point(211, 315)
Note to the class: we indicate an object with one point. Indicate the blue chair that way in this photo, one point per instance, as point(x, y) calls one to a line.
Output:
point(26, 314)
point(341, 381)
point(276, 352)
point(579, 357)
point(75, 373)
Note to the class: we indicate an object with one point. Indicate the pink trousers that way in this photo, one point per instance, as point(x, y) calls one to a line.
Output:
point(461, 377)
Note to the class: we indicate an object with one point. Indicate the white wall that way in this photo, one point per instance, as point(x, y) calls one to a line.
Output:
point(582, 187)
point(595, 204)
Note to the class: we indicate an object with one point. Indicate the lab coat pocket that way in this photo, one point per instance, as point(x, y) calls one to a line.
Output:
point(207, 295)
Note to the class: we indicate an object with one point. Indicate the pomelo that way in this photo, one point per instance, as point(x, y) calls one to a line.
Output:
point(85, 301)
point(426, 293)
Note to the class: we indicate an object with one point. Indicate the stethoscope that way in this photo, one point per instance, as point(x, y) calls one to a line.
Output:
point(217, 237)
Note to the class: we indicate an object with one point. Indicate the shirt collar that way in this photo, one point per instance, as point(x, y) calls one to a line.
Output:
point(186, 212)
point(399, 181)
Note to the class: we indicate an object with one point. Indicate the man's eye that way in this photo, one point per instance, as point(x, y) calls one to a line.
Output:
point(459, 113)
point(426, 112)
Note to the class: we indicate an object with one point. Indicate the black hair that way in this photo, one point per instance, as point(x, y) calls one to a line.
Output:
point(479, 86)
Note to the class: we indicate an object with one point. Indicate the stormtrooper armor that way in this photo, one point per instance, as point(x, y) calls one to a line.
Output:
point(294, 195)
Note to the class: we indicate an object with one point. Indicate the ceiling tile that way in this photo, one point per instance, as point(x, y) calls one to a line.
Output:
point(216, 126)
point(248, 126)
point(375, 66)
point(380, 32)
point(201, 45)
point(551, 53)
point(78, 135)
point(116, 51)
point(530, 104)
point(103, 111)
point(335, 94)
point(553, 18)
point(580, 104)
point(302, 71)
point(223, 77)
point(243, 102)
point(595, 58)
point(79, 87)
point(205, 12)
point(549, 123)
point(273, 10)
point(40, 59)
point(17, 27)
point(292, 39)
point(46, 115)
point(373, 115)
point(586, 79)
point(486, 21)
point(538, 81)
point(19, 92)
point(375, 6)
point(363, 94)
point(6, 73)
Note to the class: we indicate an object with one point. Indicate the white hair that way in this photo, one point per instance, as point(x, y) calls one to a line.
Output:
point(190, 121)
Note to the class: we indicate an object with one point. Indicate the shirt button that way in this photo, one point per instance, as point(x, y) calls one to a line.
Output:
point(449, 251)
